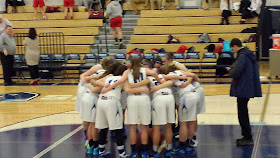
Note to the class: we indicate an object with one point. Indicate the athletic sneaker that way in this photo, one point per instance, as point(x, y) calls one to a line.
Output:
point(243, 142)
point(90, 150)
point(120, 45)
point(95, 151)
point(87, 144)
point(194, 142)
point(103, 154)
point(154, 154)
point(168, 153)
point(123, 155)
point(133, 155)
point(144, 154)
point(116, 43)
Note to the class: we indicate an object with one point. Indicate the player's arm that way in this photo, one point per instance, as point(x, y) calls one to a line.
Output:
point(163, 85)
point(174, 77)
point(94, 89)
point(139, 84)
point(185, 84)
point(89, 72)
point(192, 75)
point(100, 82)
point(130, 90)
point(155, 75)
point(182, 67)
point(121, 81)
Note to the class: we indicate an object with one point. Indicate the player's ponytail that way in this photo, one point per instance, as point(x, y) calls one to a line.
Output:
point(111, 69)
point(135, 61)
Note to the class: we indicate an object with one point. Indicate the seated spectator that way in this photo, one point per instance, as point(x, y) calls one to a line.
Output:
point(249, 9)
point(14, 3)
point(70, 4)
point(226, 7)
point(32, 55)
point(41, 4)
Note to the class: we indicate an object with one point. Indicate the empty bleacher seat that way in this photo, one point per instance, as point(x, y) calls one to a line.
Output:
point(135, 55)
point(193, 60)
point(45, 61)
point(120, 57)
point(149, 56)
point(180, 57)
point(57, 61)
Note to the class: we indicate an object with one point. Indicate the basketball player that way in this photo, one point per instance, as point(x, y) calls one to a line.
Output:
point(187, 110)
point(138, 105)
point(109, 111)
point(163, 112)
point(92, 73)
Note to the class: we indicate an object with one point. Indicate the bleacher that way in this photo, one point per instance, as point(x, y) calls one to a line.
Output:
point(152, 31)
point(154, 27)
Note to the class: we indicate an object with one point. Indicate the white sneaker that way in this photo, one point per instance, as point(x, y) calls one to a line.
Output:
point(162, 8)
point(177, 7)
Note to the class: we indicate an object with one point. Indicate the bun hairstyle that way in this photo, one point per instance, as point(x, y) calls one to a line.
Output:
point(111, 69)
point(135, 61)
point(162, 69)
point(105, 63)
point(170, 68)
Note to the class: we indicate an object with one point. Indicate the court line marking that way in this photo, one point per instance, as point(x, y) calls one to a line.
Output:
point(49, 86)
point(58, 142)
point(257, 142)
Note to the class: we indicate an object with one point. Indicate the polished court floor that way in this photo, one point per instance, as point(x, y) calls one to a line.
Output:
point(47, 126)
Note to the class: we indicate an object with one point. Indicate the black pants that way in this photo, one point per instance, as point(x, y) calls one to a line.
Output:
point(8, 67)
point(226, 14)
point(34, 71)
point(243, 117)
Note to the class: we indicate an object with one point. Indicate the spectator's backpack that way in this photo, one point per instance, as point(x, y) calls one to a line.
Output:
point(226, 47)
point(96, 15)
point(181, 49)
point(204, 38)
point(171, 39)
point(52, 9)
point(252, 38)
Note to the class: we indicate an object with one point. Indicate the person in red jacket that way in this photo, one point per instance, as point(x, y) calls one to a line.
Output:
point(70, 4)
point(41, 4)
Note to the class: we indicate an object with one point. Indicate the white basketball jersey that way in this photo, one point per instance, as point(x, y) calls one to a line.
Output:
point(142, 76)
point(154, 82)
point(98, 72)
point(115, 92)
point(178, 83)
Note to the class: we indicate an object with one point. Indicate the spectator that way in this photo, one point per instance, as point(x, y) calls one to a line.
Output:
point(14, 3)
point(32, 55)
point(114, 11)
point(41, 4)
point(3, 24)
point(226, 7)
point(7, 52)
point(245, 85)
point(70, 4)
point(249, 9)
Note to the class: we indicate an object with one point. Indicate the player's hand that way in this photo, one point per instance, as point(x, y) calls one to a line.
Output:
point(104, 90)
point(154, 88)
point(146, 91)
point(162, 81)
point(189, 78)
point(5, 52)
point(107, 85)
point(87, 79)
point(83, 79)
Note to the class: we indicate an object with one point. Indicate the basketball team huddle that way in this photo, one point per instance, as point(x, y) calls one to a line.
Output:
point(149, 92)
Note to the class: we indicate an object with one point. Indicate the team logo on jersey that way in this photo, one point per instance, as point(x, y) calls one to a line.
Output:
point(19, 96)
